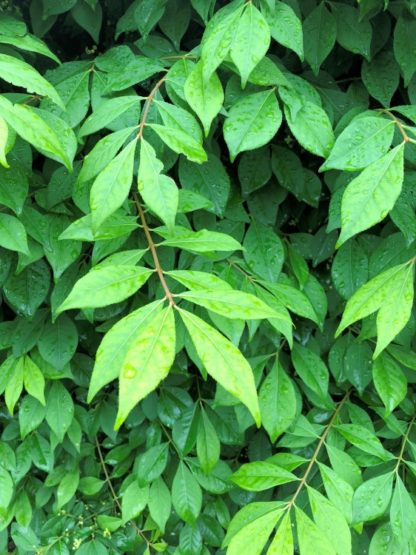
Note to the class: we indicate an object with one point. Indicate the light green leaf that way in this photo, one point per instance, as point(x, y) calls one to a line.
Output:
point(197, 281)
point(311, 128)
point(369, 197)
point(147, 362)
point(13, 234)
point(251, 526)
point(159, 503)
point(372, 498)
point(29, 43)
point(218, 38)
point(231, 304)
point(112, 185)
point(371, 296)
point(107, 111)
point(159, 192)
point(6, 489)
point(186, 494)
point(115, 346)
point(330, 521)
point(396, 309)
point(251, 41)
point(33, 380)
point(31, 415)
point(286, 27)
point(311, 539)
point(252, 122)
point(261, 475)
point(204, 97)
point(198, 241)
point(362, 142)
point(4, 138)
point(389, 381)
point(277, 400)
point(33, 129)
point(134, 500)
point(402, 512)
point(364, 439)
point(282, 543)
point(59, 410)
point(180, 142)
point(223, 361)
point(105, 285)
point(19, 73)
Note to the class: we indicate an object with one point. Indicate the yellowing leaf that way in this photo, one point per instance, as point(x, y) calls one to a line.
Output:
point(223, 361)
point(147, 362)
point(369, 197)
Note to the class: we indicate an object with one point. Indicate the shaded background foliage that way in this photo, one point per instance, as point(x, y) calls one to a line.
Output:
point(332, 469)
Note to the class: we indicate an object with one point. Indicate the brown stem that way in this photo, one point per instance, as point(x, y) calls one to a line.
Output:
point(396, 120)
point(147, 105)
point(316, 452)
point(405, 439)
point(152, 248)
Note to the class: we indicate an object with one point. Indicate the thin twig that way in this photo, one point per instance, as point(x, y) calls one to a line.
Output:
point(152, 248)
point(405, 439)
point(147, 105)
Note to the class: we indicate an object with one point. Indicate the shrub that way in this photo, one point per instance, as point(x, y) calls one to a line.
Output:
point(207, 235)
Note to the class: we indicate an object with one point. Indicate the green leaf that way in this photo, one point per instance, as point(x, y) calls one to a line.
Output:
point(105, 285)
point(353, 33)
point(396, 309)
point(31, 415)
point(67, 488)
point(364, 439)
point(21, 74)
point(311, 128)
point(282, 543)
point(29, 43)
point(389, 381)
point(147, 361)
point(58, 342)
point(199, 281)
point(372, 498)
point(93, 547)
point(207, 443)
point(150, 465)
point(112, 185)
point(159, 192)
point(312, 371)
point(402, 512)
point(198, 241)
point(403, 33)
point(319, 33)
point(252, 122)
point(277, 400)
point(362, 142)
point(286, 27)
point(186, 494)
point(180, 142)
point(258, 476)
point(218, 38)
point(372, 295)
point(205, 97)
point(251, 526)
point(134, 500)
point(59, 410)
point(13, 234)
point(369, 197)
point(330, 521)
point(4, 139)
point(251, 41)
point(381, 77)
point(6, 489)
point(311, 539)
point(349, 269)
point(231, 304)
point(223, 361)
point(263, 251)
point(115, 346)
point(159, 503)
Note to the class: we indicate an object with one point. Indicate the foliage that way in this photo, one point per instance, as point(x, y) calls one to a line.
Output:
point(207, 236)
